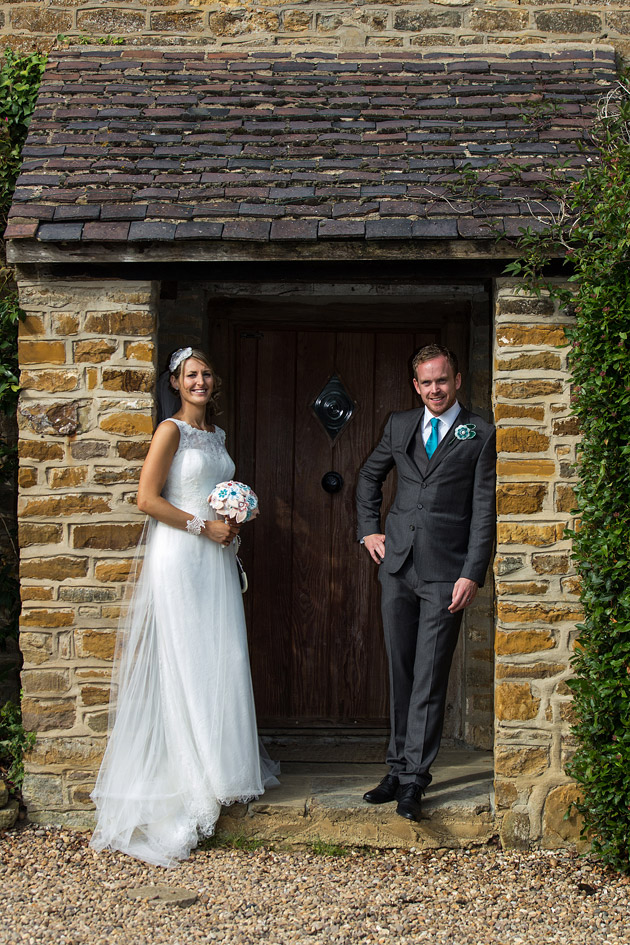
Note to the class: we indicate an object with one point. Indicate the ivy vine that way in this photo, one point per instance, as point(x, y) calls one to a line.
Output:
point(20, 76)
point(592, 232)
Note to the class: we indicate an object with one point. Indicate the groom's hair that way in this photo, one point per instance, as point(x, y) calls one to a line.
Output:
point(430, 352)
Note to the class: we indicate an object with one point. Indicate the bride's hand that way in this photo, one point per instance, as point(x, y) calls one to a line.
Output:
point(222, 532)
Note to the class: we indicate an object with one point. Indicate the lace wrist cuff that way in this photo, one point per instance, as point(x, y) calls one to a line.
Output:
point(194, 525)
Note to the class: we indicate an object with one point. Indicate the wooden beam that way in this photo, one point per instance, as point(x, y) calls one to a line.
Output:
point(32, 251)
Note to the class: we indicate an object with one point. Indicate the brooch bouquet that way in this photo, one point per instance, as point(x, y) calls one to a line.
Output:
point(234, 500)
point(465, 431)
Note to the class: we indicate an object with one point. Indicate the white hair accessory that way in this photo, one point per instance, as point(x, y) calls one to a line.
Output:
point(180, 355)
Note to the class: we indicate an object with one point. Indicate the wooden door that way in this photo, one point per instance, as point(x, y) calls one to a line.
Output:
point(312, 609)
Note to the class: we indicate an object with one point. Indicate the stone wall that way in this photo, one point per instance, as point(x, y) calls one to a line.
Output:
point(88, 356)
point(318, 24)
point(87, 352)
point(537, 590)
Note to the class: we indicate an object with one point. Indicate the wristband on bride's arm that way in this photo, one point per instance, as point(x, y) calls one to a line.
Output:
point(195, 525)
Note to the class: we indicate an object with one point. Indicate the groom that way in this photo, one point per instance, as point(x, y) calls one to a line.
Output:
point(433, 557)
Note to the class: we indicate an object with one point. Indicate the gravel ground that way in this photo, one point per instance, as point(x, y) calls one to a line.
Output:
point(55, 889)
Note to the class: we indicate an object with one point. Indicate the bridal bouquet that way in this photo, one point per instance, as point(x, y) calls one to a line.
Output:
point(234, 500)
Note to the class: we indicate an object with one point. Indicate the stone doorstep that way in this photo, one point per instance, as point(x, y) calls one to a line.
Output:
point(324, 801)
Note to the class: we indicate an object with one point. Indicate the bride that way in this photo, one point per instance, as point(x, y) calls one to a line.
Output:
point(183, 738)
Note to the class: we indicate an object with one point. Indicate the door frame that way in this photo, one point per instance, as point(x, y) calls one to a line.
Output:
point(311, 305)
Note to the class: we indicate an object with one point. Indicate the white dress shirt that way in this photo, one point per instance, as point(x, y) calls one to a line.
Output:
point(447, 419)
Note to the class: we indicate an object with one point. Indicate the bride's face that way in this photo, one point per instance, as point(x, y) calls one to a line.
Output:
point(195, 382)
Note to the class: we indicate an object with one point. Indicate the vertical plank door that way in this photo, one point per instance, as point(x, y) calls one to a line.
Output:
point(312, 608)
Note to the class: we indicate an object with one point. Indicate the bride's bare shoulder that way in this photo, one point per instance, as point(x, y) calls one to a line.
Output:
point(166, 437)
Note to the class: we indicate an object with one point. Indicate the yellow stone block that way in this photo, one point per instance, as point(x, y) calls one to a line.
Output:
point(109, 475)
point(94, 351)
point(41, 352)
point(36, 648)
point(99, 644)
point(47, 618)
point(534, 468)
point(521, 440)
point(133, 449)
point(54, 681)
point(508, 612)
point(94, 695)
point(128, 381)
point(39, 449)
point(127, 424)
point(529, 670)
point(39, 715)
point(519, 762)
point(121, 323)
point(551, 564)
point(115, 537)
point(505, 794)
point(566, 426)
point(518, 533)
point(27, 477)
point(78, 752)
point(139, 351)
point(518, 411)
point(65, 323)
point(30, 592)
point(565, 500)
point(514, 701)
point(69, 504)
point(524, 390)
point(557, 827)
point(53, 381)
point(538, 361)
point(67, 477)
point(513, 642)
point(31, 325)
point(54, 568)
point(520, 498)
point(529, 588)
point(566, 710)
point(112, 611)
point(114, 569)
point(532, 336)
point(571, 585)
point(31, 534)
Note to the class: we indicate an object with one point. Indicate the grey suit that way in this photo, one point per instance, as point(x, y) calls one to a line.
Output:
point(440, 528)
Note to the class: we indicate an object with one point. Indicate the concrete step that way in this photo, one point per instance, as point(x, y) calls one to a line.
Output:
point(323, 801)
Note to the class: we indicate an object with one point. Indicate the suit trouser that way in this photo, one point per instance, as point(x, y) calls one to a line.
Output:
point(420, 637)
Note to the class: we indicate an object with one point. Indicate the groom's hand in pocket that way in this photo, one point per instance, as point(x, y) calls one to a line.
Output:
point(375, 544)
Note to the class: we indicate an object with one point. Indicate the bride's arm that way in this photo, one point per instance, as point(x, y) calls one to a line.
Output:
point(152, 478)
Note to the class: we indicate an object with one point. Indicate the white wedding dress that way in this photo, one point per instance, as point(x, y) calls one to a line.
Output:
point(183, 738)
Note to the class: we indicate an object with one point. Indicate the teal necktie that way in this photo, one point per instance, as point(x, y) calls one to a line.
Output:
point(432, 442)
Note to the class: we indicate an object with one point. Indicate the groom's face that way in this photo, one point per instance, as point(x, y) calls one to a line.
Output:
point(437, 385)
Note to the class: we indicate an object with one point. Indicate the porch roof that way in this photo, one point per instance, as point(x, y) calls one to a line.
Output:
point(175, 151)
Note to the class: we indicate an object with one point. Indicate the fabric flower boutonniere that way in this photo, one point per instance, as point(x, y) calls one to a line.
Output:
point(466, 431)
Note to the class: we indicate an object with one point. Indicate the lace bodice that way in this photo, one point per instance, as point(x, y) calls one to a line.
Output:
point(201, 461)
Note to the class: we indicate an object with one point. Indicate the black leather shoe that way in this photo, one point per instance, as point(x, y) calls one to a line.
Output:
point(409, 798)
point(386, 791)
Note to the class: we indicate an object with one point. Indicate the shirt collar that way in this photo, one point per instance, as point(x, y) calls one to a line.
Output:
point(448, 417)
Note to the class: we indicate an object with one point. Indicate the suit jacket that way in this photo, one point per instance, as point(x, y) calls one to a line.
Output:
point(444, 506)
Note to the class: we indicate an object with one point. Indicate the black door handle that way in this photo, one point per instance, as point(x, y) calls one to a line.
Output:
point(332, 482)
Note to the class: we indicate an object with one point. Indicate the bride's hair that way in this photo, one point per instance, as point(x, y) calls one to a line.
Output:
point(212, 407)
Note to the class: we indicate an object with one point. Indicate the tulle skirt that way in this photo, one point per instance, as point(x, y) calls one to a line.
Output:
point(183, 737)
